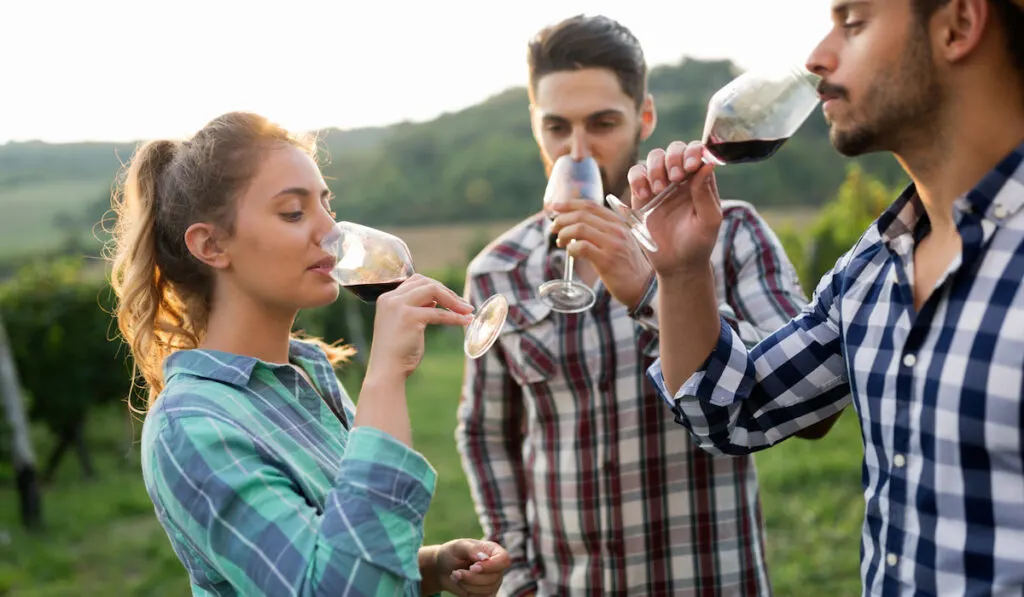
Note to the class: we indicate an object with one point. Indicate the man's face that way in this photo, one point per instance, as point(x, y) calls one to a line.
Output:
point(586, 113)
point(880, 85)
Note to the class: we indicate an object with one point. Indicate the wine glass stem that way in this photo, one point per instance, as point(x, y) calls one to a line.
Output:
point(653, 204)
point(570, 263)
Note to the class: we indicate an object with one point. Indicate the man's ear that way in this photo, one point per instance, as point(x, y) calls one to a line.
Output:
point(959, 27)
point(648, 118)
point(206, 243)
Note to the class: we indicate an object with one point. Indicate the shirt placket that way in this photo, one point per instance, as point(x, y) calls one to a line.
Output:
point(602, 333)
point(591, 337)
point(910, 361)
point(893, 459)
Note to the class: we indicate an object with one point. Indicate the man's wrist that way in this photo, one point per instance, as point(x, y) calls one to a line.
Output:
point(684, 280)
point(636, 306)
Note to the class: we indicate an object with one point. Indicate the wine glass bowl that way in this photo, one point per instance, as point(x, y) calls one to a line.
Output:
point(371, 262)
point(748, 120)
point(570, 179)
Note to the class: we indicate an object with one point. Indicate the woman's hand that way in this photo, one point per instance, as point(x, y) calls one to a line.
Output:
point(402, 318)
point(469, 567)
point(398, 342)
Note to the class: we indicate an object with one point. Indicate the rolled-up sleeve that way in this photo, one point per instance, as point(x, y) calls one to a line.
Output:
point(223, 494)
point(742, 400)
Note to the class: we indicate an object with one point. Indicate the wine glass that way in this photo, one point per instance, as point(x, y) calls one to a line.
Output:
point(371, 262)
point(748, 120)
point(570, 179)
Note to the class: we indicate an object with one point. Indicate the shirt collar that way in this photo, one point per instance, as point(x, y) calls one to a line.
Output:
point(233, 369)
point(996, 198)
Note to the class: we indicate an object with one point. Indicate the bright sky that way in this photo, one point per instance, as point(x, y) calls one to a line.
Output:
point(135, 69)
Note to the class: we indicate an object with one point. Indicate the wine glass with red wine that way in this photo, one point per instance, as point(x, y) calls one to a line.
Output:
point(371, 262)
point(748, 120)
point(570, 179)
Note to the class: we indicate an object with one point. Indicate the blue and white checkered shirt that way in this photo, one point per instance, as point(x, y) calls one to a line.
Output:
point(938, 393)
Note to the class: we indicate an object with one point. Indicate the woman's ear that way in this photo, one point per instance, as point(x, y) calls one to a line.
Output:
point(204, 241)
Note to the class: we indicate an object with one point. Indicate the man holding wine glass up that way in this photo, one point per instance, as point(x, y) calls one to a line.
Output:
point(923, 319)
point(573, 464)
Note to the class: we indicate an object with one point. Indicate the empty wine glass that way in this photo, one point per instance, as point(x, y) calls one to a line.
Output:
point(570, 179)
point(371, 262)
point(748, 120)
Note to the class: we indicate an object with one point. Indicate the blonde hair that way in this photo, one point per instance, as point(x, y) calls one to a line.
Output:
point(163, 292)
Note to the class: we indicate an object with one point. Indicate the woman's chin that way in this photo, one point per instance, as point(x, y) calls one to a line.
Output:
point(321, 297)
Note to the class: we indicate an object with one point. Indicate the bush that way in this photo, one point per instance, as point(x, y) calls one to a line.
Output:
point(57, 317)
point(57, 320)
point(842, 221)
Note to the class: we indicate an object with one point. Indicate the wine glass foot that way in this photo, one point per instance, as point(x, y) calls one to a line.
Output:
point(636, 224)
point(486, 326)
point(566, 297)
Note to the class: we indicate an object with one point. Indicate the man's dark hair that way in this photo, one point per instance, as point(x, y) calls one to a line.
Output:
point(589, 42)
point(1010, 13)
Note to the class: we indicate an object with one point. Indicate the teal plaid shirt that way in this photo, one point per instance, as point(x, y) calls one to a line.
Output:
point(264, 490)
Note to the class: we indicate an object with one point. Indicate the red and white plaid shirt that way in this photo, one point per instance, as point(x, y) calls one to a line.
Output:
point(576, 465)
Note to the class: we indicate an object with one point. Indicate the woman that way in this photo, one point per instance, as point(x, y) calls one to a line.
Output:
point(264, 478)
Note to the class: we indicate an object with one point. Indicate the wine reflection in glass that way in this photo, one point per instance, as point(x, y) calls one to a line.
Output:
point(748, 120)
point(570, 179)
point(371, 262)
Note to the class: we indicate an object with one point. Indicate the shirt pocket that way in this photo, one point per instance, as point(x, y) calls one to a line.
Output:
point(529, 338)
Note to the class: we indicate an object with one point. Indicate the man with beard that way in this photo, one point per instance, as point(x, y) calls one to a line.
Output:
point(923, 319)
point(573, 465)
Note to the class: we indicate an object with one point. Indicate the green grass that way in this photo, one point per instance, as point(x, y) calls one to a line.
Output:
point(813, 508)
point(27, 225)
point(101, 538)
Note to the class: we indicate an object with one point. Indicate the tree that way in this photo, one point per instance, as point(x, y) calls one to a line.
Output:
point(858, 202)
point(24, 459)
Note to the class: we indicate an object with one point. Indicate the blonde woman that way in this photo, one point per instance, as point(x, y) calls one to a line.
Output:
point(265, 478)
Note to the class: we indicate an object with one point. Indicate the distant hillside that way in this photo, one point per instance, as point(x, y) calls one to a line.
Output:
point(478, 164)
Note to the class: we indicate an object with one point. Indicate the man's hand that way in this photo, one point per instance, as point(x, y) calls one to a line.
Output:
point(604, 241)
point(685, 227)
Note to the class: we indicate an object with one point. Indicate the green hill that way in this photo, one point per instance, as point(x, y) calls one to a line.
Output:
point(477, 164)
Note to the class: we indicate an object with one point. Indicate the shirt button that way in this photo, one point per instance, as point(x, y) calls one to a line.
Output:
point(891, 559)
point(899, 460)
point(910, 360)
point(999, 211)
point(646, 311)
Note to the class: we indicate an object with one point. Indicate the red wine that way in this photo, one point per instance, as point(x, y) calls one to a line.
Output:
point(738, 152)
point(369, 293)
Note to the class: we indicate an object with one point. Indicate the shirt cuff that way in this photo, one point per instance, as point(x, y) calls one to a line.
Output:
point(645, 312)
point(389, 469)
point(724, 375)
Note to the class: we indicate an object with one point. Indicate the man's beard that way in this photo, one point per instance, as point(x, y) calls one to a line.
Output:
point(902, 103)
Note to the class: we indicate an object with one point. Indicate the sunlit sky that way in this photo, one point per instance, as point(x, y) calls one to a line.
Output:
point(122, 70)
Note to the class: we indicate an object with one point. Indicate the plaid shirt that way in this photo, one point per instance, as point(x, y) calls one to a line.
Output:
point(938, 393)
point(263, 490)
point(574, 465)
